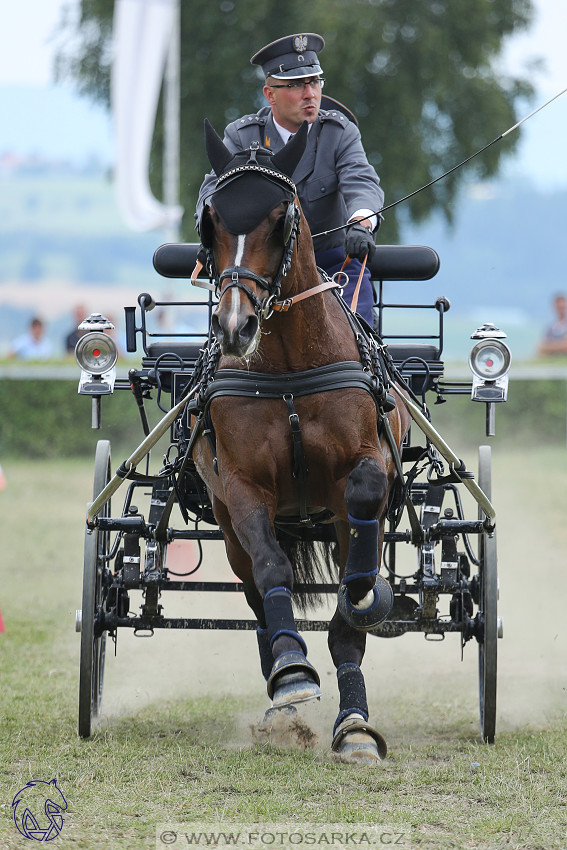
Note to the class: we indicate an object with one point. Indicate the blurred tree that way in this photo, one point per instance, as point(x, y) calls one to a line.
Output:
point(421, 78)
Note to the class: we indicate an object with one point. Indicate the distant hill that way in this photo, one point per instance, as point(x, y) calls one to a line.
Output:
point(506, 249)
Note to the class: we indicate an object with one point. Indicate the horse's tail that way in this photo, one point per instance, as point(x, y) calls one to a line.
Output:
point(312, 562)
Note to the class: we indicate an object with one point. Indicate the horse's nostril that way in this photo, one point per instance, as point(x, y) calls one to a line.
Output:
point(216, 325)
point(249, 328)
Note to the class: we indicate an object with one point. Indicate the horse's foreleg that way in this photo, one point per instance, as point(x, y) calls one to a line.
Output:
point(292, 678)
point(353, 737)
point(241, 565)
point(364, 598)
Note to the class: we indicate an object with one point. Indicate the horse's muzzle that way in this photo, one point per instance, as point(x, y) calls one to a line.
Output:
point(237, 337)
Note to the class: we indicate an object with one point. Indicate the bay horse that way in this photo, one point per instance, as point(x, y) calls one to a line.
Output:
point(295, 430)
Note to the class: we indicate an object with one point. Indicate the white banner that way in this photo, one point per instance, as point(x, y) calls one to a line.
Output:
point(142, 32)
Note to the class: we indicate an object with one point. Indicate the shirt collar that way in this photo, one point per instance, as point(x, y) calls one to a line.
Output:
point(286, 134)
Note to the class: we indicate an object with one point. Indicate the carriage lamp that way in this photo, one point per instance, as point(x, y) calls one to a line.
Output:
point(96, 353)
point(489, 361)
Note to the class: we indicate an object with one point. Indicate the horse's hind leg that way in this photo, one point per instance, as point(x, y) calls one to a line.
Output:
point(364, 598)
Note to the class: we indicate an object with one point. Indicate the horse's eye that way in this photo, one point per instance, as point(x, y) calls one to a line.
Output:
point(279, 228)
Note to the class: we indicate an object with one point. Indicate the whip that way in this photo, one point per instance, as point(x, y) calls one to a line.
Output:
point(450, 171)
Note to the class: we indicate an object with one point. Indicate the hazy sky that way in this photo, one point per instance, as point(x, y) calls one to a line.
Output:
point(27, 43)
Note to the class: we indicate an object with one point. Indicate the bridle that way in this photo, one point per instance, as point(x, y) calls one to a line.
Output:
point(263, 307)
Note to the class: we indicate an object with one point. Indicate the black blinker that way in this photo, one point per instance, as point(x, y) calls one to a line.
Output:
point(207, 229)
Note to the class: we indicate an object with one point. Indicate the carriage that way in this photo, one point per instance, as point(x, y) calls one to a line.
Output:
point(454, 586)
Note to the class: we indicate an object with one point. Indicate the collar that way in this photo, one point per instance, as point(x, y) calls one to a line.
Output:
point(286, 134)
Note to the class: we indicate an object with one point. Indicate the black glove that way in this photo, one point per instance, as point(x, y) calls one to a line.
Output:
point(359, 242)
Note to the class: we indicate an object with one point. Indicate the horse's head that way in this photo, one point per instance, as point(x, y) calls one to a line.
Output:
point(249, 228)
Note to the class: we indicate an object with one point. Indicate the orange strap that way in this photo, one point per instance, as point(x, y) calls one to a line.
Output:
point(283, 306)
point(196, 271)
point(354, 302)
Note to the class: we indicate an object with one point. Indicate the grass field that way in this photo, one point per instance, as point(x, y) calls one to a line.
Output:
point(179, 740)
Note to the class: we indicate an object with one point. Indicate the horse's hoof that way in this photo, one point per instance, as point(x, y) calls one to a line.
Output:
point(284, 727)
point(356, 742)
point(293, 679)
point(271, 713)
point(365, 619)
point(292, 688)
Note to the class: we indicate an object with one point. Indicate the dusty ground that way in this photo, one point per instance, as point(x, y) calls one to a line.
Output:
point(413, 684)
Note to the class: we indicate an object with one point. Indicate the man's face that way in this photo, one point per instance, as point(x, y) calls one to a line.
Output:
point(292, 106)
point(561, 306)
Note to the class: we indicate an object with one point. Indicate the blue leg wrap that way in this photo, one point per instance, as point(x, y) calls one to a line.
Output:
point(362, 563)
point(266, 658)
point(362, 560)
point(352, 691)
point(279, 616)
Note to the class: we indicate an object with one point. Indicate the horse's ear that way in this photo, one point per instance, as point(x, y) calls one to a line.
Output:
point(288, 158)
point(218, 153)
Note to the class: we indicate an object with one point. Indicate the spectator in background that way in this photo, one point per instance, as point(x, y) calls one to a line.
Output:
point(80, 313)
point(32, 345)
point(555, 337)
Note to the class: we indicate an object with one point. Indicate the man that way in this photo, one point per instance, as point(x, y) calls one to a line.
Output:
point(335, 182)
point(555, 339)
point(32, 345)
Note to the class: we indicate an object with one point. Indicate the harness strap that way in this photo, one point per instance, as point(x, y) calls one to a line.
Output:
point(283, 306)
point(161, 527)
point(334, 376)
point(300, 470)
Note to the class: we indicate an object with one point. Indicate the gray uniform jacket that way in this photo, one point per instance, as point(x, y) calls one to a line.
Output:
point(334, 178)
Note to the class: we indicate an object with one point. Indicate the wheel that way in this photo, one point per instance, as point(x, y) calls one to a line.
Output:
point(93, 642)
point(488, 603)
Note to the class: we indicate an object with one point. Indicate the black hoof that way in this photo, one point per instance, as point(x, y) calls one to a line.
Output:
point(366, 618)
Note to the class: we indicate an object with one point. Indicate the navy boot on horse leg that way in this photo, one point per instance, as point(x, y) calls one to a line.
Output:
point(292, 678)
point(365, 599)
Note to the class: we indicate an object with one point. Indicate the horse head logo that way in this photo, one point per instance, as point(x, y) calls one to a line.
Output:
point(37, 810)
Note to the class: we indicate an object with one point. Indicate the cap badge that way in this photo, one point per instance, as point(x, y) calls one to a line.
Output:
point(300, 43)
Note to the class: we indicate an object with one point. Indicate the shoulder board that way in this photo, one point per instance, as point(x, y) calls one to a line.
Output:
point(334, 116)
point(250, 120)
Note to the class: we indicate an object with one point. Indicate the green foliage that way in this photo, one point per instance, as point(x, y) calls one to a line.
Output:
point(536, 411)
point(48, 419)
point(419, 76)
